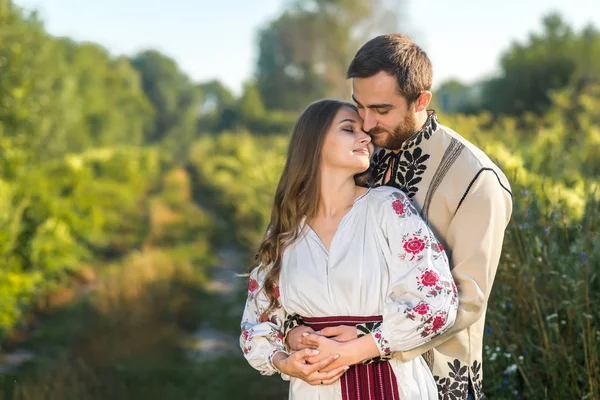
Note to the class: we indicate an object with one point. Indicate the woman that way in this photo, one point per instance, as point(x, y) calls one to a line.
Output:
point(338, 253)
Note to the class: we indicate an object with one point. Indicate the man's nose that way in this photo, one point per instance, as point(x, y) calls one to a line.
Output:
point(369, 121)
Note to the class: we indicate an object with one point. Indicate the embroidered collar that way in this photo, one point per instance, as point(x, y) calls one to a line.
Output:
point(431, 125)
point(407, 164)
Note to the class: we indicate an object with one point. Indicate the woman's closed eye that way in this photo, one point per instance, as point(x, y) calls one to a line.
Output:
point(348, 129)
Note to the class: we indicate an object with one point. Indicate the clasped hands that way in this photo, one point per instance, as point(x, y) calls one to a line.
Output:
point(319, 358)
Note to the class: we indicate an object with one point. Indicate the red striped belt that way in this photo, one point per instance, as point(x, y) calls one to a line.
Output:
point(375, 381)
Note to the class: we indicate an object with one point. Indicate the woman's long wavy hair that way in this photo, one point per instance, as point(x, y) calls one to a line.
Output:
point(298, 192)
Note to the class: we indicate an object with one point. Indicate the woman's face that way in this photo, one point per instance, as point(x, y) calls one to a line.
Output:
point(346, 146)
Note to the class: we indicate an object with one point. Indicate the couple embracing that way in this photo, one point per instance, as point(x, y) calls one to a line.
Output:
point(386, 229)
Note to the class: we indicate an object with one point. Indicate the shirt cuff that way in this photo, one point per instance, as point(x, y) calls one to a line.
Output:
point(270, 358)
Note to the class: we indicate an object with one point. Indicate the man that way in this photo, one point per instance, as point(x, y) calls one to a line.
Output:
point(460, 192)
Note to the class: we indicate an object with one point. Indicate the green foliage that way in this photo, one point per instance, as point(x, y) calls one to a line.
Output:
point(243, 170)
point(174, 98)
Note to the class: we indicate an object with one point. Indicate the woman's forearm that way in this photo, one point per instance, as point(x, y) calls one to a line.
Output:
point(361, 349)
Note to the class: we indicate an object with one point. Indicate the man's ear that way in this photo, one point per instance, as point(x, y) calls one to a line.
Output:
point(423, 101)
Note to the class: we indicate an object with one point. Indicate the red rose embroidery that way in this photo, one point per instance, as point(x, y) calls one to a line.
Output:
point(414, 245)
point(398, 207)
point(437, 247)
point(438, 323)
point(386, 350)
point(421, 309)
point(252, 285)
point(276, 290)
point(378, 335)
point(246, 335)
point(429, 278)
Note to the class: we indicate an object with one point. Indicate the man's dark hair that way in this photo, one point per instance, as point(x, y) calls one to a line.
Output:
point(399, 57)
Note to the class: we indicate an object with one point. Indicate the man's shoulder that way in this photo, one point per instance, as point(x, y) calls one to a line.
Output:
point(471, 161)
point(471, 168)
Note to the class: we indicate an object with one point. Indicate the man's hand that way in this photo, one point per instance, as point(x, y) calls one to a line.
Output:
point(294, 338)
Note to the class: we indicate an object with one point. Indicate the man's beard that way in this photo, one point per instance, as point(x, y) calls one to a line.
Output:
point(394, 140)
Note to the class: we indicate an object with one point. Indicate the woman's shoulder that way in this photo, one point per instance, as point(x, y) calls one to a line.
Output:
point(385, 194)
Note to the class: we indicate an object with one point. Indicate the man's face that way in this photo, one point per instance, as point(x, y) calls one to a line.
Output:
point(386, 115)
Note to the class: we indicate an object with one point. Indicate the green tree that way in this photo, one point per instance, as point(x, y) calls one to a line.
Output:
point(250, 104)
point(547, 62)
point(305, 52)
point(175, 99)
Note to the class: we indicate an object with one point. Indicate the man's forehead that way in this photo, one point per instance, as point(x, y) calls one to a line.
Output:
point(374, 90)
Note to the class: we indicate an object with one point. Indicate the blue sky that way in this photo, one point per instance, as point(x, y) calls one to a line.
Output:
point(218, 39)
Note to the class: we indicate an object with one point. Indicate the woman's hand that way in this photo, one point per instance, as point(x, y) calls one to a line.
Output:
point(295, 336)
point(341, 333)
point(296, 365)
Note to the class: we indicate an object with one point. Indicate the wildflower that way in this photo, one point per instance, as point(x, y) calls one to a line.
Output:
point(583, 257)
point(488, 330)
point(510, 369)
point(551, 316)
point(508, 305)
point(546, 231)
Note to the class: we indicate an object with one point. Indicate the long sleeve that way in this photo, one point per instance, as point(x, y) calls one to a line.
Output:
point(422, 298)
point(262, 335)
point(475, 238)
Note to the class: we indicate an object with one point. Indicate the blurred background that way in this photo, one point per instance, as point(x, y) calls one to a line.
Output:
point(140, 146)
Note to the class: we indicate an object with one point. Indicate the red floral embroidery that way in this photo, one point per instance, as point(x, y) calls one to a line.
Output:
point(429, 278)
point(414, 245)
point(246, 335)
point(252, 285)
point(437, 247)
point(421, 308)
point(276, 290)
point(398, 207)
point(378, 335)
point(438, 323)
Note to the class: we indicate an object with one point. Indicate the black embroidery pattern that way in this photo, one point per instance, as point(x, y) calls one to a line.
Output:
point(379, 164)
point(408, 164)
point(455, 386)
point(476, 379)
point(292, 321)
